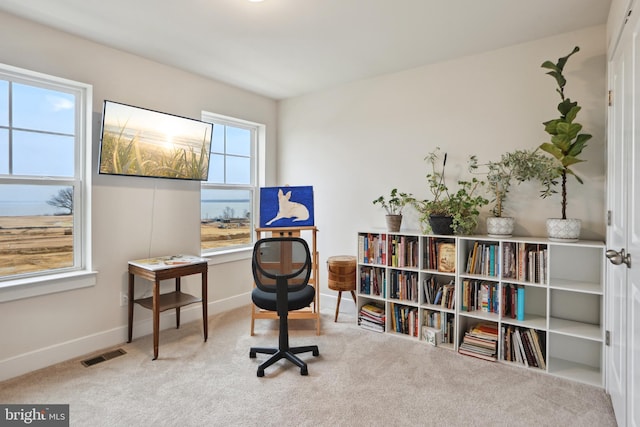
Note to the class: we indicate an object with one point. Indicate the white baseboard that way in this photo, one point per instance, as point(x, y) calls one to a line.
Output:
point(47, 356)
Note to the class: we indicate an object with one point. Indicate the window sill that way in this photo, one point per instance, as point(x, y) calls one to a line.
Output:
point(230, 255)
point(35, 286)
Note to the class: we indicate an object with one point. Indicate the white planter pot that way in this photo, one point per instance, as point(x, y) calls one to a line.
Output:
point(564, 230)
point(500, 226)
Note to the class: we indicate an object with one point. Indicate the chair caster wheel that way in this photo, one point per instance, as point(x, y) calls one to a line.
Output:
point(261, 372)
point(303, 371)
point(316, 353)
point(252, 354)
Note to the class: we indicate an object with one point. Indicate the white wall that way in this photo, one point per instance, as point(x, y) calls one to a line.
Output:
point(132, 217)
point(358, 141)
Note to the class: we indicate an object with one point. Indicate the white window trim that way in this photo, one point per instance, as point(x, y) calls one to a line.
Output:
point(47, 283)
point(258, 172)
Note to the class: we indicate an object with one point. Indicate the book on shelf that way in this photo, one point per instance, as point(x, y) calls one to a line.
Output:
point(523, 346)
point(481, 340)
point(372, 316)
point(447, 257)
point(520, 303)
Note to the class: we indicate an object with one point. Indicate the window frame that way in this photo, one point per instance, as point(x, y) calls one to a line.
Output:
point(80, 274)
point(258, 132)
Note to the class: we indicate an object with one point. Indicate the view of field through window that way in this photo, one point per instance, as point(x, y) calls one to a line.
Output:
point(38, 136)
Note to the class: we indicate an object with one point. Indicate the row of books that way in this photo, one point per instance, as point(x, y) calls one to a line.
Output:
point(373, 281)
point(403, 285)
point(438, 327)
point(480, 295)
point(481, 341)
point(484, 259)
point(404, 251)
point(372, 249)
point(525, 262)
point(404, 319)
point(514, 299)
point(440, 255)
point(439, 293)
point(372, 317)
point(524, 346)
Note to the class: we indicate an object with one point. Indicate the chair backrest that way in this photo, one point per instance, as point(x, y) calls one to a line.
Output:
point(284, 259)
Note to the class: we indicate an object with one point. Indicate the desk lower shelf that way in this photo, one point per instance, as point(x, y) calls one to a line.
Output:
point(169, 300)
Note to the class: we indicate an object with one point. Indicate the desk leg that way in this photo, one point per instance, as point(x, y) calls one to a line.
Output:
point(205, 317)
point(130, 307)
point(156, 317)
point(178, 289)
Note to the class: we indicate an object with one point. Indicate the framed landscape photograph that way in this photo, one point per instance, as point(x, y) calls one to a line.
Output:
point(140, 142)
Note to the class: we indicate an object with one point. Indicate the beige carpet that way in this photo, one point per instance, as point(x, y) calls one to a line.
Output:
point(361, 378)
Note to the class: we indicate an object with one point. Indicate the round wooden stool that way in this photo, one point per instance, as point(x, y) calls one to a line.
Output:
point(342, 277)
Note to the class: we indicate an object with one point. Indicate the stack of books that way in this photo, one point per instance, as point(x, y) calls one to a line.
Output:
point(372, 317)
point(481, 341)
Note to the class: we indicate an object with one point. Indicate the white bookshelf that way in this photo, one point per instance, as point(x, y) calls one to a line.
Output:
point(563, 295)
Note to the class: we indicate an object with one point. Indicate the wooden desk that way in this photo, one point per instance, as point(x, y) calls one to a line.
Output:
point(162, 268)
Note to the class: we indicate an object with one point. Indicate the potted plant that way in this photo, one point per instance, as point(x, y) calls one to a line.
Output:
point(449, 211)
point(566, 145)
point(518, 166)
point(394, 205)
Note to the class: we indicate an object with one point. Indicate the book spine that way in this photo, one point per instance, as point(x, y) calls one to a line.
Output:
point(520, 315)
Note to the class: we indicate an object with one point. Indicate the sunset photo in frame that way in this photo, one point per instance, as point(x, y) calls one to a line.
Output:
point(140, 142)
point(286, 206)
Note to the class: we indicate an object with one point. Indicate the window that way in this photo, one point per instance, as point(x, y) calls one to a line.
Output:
point(45, 142)
point(228, 196)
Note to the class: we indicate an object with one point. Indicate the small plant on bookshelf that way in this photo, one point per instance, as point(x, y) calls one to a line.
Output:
point(460, 206)
point(518, 166)
point(393, 206)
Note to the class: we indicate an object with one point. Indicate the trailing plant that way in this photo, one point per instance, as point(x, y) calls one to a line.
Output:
point(520, 166)
point(566, 142)
point(396, 202)
point(462, 204)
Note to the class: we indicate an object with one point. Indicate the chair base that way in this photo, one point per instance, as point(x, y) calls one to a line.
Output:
point(289, 354)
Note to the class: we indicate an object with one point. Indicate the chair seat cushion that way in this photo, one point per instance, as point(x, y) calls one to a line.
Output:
point(297, 300)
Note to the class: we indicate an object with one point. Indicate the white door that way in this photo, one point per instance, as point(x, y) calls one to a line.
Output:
point(619, 118)
point(623, 294)
point(633, 241)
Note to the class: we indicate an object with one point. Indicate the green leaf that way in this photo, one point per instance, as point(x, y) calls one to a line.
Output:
point(579, 144)
point(569, 160)
point(551, 149)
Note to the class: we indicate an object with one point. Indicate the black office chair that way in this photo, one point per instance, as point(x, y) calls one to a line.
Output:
point(281, 270)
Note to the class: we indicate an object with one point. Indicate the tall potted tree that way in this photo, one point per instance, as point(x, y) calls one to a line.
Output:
point(566, 145)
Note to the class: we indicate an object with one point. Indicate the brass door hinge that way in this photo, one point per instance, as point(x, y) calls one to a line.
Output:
point(610, 98)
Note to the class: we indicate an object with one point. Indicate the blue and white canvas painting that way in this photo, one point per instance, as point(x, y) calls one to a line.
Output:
point(286, 206)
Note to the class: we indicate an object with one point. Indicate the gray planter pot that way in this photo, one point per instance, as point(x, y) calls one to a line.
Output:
point(393, 223)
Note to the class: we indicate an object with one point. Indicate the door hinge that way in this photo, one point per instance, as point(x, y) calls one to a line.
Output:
point(609, 218)
point(607, 338)
point(610, 98)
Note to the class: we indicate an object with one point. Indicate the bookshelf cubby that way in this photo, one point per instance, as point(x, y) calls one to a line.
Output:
point(541, 298)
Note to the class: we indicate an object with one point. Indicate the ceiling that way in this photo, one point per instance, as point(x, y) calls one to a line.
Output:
point(286, 48)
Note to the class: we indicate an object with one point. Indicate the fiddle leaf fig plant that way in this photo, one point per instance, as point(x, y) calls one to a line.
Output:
point(567, 142)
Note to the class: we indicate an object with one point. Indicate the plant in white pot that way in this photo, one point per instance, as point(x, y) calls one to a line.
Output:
point(393, 206)
point(519, 166)
point(566, 145)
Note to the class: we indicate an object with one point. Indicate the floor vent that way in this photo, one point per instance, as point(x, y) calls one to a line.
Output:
point(105, 356)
